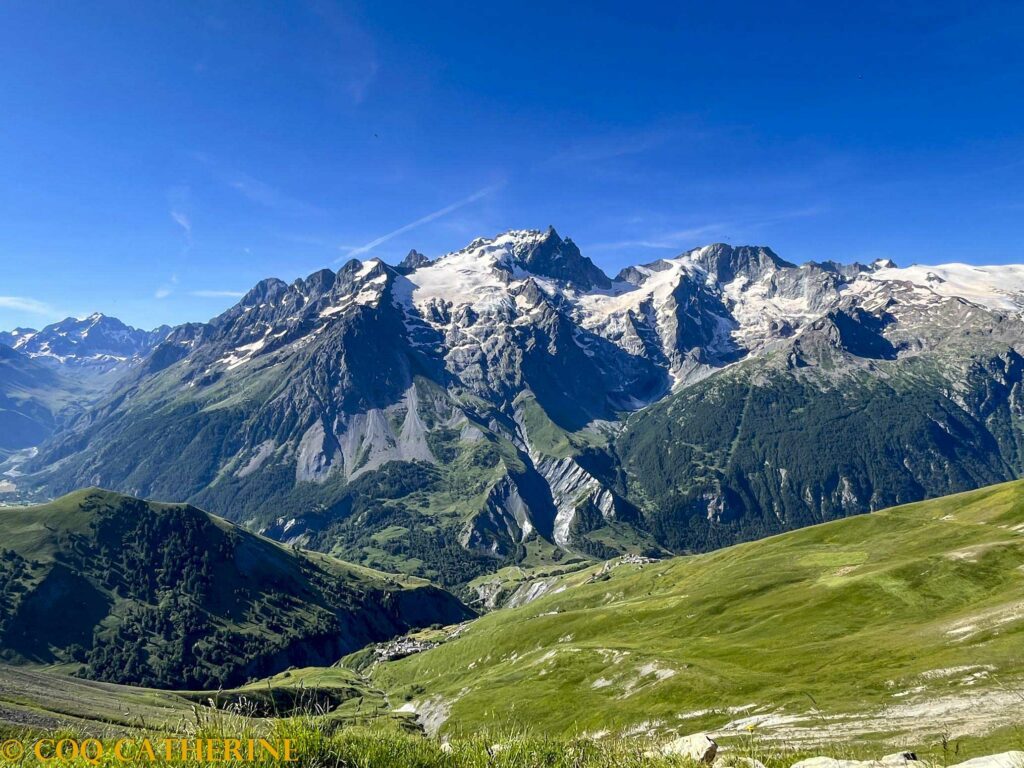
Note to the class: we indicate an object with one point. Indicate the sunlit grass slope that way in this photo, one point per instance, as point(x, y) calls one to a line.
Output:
point(867, 621)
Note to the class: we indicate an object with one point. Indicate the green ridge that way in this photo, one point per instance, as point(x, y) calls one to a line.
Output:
point(119, 589)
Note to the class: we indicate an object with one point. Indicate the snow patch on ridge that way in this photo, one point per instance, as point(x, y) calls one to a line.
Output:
point(996, 287)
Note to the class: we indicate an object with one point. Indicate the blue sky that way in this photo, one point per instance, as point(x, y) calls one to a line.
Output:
point(158, 157)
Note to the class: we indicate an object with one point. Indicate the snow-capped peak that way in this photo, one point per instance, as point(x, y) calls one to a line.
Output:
point(97, 341)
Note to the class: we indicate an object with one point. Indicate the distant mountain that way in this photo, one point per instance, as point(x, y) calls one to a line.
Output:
point(10, 338)
point(48, 375)
point(508, 402)
point(167, 596)
point(95, 346)
point(412, 261)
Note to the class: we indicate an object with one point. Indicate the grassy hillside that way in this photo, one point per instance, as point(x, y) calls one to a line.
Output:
point(45, 700)
point(908, 622)
point(42, 700)
point(119, 589)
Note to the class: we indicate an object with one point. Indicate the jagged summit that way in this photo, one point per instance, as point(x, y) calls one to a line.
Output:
point(542, 254)
point(263, 291)
point(413, 260)
point(551, 256)
point(726, 262)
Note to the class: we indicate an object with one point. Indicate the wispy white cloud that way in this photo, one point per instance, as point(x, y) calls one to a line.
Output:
point(361, 249)
point(207, 294)
point(253, 189)
point(166, 289)
point(25, 304)
point(600, 148)
point(183, 221)
point(179, 204)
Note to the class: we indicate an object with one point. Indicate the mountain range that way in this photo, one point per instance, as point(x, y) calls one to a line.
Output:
point(96, 346)
point(510, 403)
point(48, 375)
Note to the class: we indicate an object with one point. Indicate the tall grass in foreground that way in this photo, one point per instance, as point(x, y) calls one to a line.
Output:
point(320, 742)
point(315, 746)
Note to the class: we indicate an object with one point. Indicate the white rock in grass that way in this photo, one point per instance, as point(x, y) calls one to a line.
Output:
point(901, 759)
point(736, 761)
point(831, 762)
point(698, 747)
point(895, 760)
point(1002, 760)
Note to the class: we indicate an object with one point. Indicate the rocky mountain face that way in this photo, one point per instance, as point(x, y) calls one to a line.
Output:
point(508, 402)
